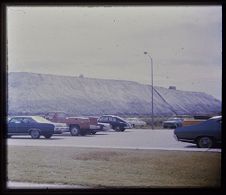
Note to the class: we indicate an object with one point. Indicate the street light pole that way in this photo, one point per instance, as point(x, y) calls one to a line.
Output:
point(152, 90)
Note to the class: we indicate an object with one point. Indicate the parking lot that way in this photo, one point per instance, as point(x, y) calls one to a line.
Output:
point(161, 139)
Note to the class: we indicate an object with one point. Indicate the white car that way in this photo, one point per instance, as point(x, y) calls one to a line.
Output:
point(135, 122)
point(173, 122)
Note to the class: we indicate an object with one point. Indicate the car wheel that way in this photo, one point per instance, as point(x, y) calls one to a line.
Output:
point(75, 131)
point(122, 129)
point(35, 134)
point(117, 128)
point(93, 132)
point(205, 142)
point(48, 136)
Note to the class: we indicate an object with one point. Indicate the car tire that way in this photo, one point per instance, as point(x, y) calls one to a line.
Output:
point(35, 134)
point(75, 131)
point(47, 136)
point(122, 129)
point(205, 142)
point(117, 128)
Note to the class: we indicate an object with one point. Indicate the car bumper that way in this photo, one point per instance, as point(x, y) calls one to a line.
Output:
point(59, 130)
point(95, 127)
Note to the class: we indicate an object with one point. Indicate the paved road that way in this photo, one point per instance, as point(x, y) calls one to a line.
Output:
point(162, 139)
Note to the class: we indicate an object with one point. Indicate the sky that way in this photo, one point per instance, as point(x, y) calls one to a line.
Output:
point(184, 42)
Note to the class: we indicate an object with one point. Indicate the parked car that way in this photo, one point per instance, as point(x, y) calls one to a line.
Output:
point(35, 126)
point(173, 123)
point(135, 122)
point(205, 134)
point(117, 123)
point(76, 125)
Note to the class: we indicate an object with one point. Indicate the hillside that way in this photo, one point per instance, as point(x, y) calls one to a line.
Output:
point(30, 93)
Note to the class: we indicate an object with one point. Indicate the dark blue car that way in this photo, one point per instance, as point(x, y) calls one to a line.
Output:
point(206, 134)
point(117, 123)
point(35, 126)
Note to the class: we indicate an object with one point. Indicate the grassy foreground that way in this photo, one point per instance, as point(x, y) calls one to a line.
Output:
point(114, 167)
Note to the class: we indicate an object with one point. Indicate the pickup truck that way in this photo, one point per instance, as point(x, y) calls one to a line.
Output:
point(77, 125)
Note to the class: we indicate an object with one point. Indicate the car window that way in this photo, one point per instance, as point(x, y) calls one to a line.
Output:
point(50, 115)
point(112, 119)
point(15, 120)
point(119, 120)
point(103, 119)
point(28, 120)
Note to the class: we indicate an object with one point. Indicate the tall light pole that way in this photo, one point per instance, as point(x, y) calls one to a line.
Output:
point(152, 90)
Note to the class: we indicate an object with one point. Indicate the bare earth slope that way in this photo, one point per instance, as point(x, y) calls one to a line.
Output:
point(30, 93)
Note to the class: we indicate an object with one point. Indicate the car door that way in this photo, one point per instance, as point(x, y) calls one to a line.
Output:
point(25, 125)
point(120, 123)
point(113, 121)
point(14, 125)
point(217, 129)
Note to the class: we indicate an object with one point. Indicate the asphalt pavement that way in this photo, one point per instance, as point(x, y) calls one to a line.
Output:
point(159, 139)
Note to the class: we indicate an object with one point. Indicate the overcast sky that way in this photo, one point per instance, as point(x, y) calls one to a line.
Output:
point(185, 43)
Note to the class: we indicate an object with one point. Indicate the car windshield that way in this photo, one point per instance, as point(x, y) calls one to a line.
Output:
point(40, 119)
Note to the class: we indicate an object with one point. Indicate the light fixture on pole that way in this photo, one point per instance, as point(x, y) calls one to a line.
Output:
point(152, 89)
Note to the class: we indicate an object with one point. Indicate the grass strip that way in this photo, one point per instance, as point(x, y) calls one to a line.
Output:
point(96, 167)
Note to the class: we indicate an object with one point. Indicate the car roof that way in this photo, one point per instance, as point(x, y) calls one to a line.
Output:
point(216, 117)
point(109, 115)
point(31, 116)
point(22, 116)
point(113, 116)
